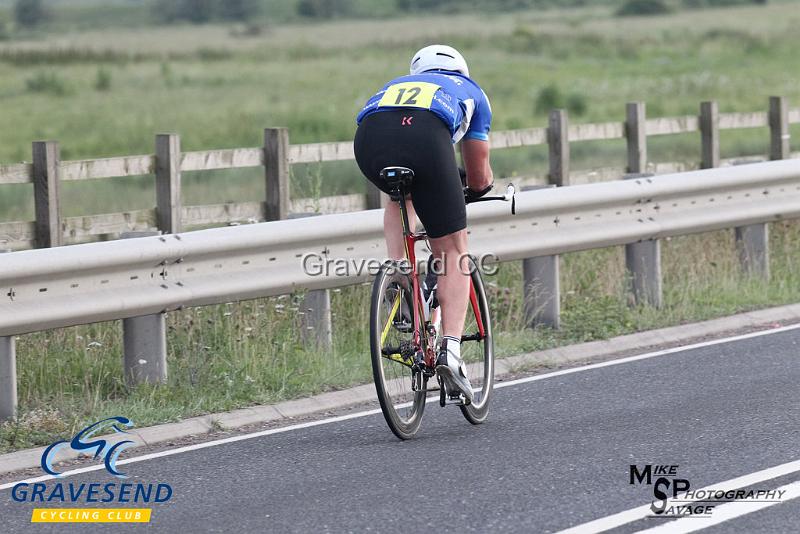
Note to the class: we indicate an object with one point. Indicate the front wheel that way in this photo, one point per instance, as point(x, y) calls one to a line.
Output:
point(478, 351)
point(401, 390)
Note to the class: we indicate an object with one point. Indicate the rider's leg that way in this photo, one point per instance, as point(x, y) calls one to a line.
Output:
point(453, 294)
point(393, 228)
point(453, 283)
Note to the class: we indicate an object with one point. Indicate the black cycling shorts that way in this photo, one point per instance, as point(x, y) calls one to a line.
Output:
point(419, 140)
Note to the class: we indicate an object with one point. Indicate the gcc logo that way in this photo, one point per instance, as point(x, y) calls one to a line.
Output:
point(80, 443)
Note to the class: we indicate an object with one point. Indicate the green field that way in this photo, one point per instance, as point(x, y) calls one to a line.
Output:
point(107, 91)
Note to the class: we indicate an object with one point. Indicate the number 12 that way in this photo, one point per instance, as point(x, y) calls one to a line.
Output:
point(412, 96)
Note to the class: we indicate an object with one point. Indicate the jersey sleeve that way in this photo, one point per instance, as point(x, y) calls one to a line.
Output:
point(481, 121)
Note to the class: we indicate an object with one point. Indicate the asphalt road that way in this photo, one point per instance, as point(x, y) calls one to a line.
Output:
point(554, 454)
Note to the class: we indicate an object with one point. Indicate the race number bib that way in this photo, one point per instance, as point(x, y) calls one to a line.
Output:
point(409, 94)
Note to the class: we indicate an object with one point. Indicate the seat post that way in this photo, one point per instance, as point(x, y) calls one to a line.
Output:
point(401, 193)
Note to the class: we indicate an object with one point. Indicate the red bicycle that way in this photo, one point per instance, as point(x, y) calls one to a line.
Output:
point(405, 338)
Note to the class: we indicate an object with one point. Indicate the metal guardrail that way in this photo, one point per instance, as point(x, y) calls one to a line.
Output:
point(51, 288)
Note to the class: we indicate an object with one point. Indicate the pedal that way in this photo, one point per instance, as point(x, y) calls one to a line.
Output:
point(456, 398)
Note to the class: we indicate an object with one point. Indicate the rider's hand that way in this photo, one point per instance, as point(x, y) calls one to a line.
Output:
point(469, 194)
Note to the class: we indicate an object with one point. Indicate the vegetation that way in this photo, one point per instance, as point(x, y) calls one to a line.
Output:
point(29, 13)
point(204, 11)
point(550, 97)
point(719, 3)
point(48, 83)
point(219, 89)
point(90, 14)
point(324, 9)
point(103, 80)
point(643, 7)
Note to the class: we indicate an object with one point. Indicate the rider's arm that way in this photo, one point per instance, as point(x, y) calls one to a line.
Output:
point(475, 154)
point(475, 145)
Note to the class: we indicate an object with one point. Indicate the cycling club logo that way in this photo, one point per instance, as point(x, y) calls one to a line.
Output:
point(77, 500)
point(83, 442)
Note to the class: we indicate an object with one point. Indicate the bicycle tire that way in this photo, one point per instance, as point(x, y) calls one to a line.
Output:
point(401, 406)
point(480, 356)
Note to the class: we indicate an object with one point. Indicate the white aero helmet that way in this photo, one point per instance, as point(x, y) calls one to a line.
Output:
point(439, 57)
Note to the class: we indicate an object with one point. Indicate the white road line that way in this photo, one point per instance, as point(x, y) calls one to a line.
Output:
point(726, 512)
point(640, 512)
point(648, 355)
point(233, 439)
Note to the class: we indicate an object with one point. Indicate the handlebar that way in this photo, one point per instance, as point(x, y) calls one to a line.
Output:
point(509, 196)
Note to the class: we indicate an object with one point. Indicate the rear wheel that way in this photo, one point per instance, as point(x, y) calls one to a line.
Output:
point(478, 353)
point(401, 391)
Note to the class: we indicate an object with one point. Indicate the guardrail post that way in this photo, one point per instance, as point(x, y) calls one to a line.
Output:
point(778, 128)
point(144, 342)
point(709, 134)
point(542, 291)
point(317, 326)
point(47, 195)
point(643, 262)
point(276, 169)
point(8, 376)
point(541, 287)
point(168, 183)
point(752, 245)
point(558, 143)
point(636, 136)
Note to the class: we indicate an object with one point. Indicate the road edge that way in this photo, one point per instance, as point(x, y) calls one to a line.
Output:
point(286, 411)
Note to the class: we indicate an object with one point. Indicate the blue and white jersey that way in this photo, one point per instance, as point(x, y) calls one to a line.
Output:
point(453, 97)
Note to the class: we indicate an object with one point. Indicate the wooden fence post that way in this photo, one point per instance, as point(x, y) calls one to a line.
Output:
point(709, 134)
point(47, 194)
point(144, 340)
point(558, 143)
point(636, 136)
point(778, 127)
point(276, 169)
point(168, 183)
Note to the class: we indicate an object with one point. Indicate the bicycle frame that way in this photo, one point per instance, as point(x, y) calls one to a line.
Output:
point(410, 240)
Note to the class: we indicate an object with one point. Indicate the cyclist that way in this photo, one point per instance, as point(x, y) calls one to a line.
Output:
point(413, 121)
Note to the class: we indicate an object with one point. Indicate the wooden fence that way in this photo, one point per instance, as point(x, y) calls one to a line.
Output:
point(276, 156)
